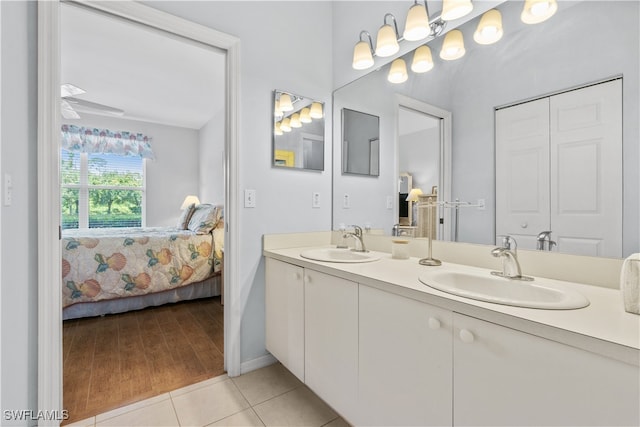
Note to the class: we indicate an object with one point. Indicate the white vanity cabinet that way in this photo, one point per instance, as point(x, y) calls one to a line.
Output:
point(502, 376)
point(284, 314)
point(405, 361)
point(331, 340)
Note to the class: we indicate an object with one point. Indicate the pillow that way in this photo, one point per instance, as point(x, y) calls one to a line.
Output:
point(204, 219)
point(185, 216)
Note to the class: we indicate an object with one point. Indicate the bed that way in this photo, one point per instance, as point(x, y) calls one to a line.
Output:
point(113, 270)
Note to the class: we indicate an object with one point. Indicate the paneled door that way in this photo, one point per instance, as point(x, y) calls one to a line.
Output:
point(558, 169)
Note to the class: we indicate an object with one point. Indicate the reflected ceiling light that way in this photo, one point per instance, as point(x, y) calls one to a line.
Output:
point(316, 110)
point(422, 60)
point(277, 112)
point(285, 102)
point(398, 71)
point(490, 28)
point(277, 130)
point(454, 9)
point(285, 125)
point(387, 41)
point(295, 121)
point(453, 46)
point(305, 115)
point(363, 53)
point(417, 24)
point(536, 11)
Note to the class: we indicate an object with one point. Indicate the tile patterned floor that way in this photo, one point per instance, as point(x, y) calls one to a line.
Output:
point(270, 396)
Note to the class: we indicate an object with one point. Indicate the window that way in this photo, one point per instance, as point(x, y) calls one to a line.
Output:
point(101, 190)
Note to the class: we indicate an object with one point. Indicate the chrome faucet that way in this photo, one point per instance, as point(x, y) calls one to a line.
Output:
point(357, 234)
point(544, 240)
point(510, 265)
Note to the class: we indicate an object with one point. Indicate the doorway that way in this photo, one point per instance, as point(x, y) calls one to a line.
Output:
point(50, 309)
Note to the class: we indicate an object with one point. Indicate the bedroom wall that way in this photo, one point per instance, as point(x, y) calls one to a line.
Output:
point(174, 173)
point(211, 160)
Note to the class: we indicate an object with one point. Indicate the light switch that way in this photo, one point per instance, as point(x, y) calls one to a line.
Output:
point(249, 198)
point(315, 200)
point(346, 201)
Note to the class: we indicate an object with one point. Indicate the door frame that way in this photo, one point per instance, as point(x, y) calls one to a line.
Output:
point(49, 253)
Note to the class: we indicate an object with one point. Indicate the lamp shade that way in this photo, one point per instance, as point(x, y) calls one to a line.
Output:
point(417, 24)
point(189, 200)
point(490, 28)
point(277, 130)
point(362, 57)
point(295, 121)
point(398, 71)
point(413, 195)
point(277, 112)
point(305, 115)
point(285, 102)
point(453, 46)
point(387, 42)
point(285, 125)
point(454, 9)
point(316, 110)
point(422, 60)
point(536, 11)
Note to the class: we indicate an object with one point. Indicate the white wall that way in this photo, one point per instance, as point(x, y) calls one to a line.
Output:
point(173, 174)
point(211, 160)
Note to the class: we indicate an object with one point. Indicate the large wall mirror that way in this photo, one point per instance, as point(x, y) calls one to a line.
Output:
point(360, 143)
point(529, 62)
point(298, 132)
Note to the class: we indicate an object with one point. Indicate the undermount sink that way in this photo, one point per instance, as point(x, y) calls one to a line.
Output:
point(338, 255)
point(505, 291)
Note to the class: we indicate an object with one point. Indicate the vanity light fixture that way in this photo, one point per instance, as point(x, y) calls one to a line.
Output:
point(398, 71)
point(490, 28)
point(285, 125)
point(422, 60)
point(453, 46)
point(316, 110)
point(387, 41)
point(277, 130)
point(363, 53)
point(536, 11)
point(285, 102)
point(417, 24)
point(454, 9)
point(277, 112)
point(305, 115)
point(295, 121)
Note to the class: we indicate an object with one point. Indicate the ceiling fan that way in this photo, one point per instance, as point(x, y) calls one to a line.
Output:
point(70, 105)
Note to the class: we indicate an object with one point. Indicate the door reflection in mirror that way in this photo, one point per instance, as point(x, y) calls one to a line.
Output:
point(360, 143)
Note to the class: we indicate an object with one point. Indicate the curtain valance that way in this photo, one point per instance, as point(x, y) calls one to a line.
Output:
point(92, 140)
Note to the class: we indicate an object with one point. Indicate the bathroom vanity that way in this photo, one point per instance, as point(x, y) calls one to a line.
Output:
point(383, 348)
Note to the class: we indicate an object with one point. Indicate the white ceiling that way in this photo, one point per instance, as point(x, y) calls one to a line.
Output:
point(151, 75)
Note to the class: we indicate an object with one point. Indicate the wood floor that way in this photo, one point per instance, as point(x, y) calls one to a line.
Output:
point(118, 359)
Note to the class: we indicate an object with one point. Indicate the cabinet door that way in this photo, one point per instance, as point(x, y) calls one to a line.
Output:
point(506, 377)
point(331, 340)
point(284, 314)
point(405, 361)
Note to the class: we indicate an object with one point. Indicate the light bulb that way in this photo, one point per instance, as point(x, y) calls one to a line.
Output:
point(386, 43)
point(277, 130)
point(422, 60)
point(285, 125)
point(454, 9)
point(453, 46)
point(398, 71)
point(536, 11)
point(417, 24)
point(295, 121)
point(285, 102)
point(316, 110)
point(362, 58)
point(305, 115)
point(490, 28)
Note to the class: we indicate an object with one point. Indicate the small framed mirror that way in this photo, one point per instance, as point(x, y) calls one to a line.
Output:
point(360, 143)
point(298, 132)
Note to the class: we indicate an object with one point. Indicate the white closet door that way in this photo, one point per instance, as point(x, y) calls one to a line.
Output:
point(522, 171)
point(586, 170)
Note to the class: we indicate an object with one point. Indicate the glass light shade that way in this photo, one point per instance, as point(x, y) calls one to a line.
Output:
point(536, 11)
point(305, 115)
point(398, 71)
point(454, 9)
point(422, 60)
point(413, 195)
point(277, 130)
point(285, 102)
point(453, 46)
point(386, 43)
point(417, 24)
point(362, 58)
point(285, 125)
point(316, 110)
point(188, 200)
point(276, 108)
point(295, 121)
point(490, 28)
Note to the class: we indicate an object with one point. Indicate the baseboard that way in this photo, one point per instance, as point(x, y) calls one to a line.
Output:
point(260, 362)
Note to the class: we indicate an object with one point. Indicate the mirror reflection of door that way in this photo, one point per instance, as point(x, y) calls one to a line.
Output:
point(420, 137)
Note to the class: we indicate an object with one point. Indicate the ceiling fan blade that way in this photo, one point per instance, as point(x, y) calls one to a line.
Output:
point(67, 110)
point(81, 104)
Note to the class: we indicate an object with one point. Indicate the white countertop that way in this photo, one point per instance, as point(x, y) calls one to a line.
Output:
point(603, 327)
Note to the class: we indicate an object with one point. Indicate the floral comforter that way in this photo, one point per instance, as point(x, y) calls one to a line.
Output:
point(108, 263)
